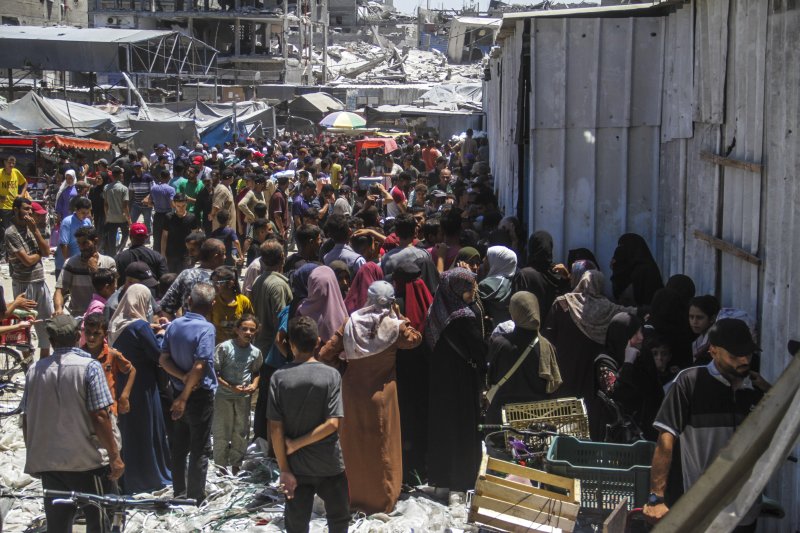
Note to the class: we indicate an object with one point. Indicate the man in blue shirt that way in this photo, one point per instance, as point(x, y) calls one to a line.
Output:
point(161, 195)
point(188, 357)
point(67, 243)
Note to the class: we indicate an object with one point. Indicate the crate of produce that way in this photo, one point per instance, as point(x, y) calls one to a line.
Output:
point(608, 472)
point(510, 497)
point(566, 415)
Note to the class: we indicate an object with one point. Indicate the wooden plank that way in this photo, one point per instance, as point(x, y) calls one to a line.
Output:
point(528, 518)
point(524, 500)
point(530, 473)
point(529, 489)
point(727, 247)
point(616, 521)
point(730, 162)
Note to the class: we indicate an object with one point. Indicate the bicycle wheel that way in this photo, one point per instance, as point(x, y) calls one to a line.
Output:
point(12, 380)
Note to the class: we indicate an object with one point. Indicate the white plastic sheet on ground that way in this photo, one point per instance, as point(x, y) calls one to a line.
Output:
point(243, 504)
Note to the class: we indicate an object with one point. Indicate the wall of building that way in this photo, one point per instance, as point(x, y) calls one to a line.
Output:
point(45, 12)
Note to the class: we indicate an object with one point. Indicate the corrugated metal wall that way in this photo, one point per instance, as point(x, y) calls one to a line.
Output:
point(595, 116)
point(621, 111)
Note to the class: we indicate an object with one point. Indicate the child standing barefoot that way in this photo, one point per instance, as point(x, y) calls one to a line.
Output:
point(237, 363)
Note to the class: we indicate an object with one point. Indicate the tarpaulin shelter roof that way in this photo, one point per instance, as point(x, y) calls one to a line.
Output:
point(314, 104)
point(62, 48)
point(387, 143)
point(35, 114)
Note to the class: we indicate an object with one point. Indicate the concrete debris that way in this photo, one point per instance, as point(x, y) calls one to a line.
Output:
point(364, 62)
point(248, 503)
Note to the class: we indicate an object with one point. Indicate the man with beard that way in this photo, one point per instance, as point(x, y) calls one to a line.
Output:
point(702, 409)
point(76, 277)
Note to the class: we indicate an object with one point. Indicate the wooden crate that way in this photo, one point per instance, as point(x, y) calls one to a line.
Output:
point(506, 505)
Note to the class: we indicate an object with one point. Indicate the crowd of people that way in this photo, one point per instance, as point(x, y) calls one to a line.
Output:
point(364, 322)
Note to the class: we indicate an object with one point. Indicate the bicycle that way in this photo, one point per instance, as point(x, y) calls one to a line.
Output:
point(623, 429)
point(16, 356)
point(115, 505)
point(528, 451)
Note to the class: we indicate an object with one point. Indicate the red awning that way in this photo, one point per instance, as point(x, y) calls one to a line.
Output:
point(59, 141)
point(389, 145)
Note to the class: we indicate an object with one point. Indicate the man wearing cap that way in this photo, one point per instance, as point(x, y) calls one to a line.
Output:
point(76, 278)
point(26, 246)
point(69, 439)
point(161, 150)
point(702, 409)
point(138, 251)
point(117, 213)
point(191, 187)
point(198, 151)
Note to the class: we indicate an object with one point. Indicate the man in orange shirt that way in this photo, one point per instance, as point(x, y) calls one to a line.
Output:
point(429, 155)
point(114, 363)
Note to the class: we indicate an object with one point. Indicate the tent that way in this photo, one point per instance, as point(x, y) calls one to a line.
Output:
point(314, 106)
point(255, 123)
point(35, 114)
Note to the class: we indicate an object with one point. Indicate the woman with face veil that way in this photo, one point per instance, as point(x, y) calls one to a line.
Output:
point(538, 376)
point(541, 276)
point(454, 333)
point(370, 431)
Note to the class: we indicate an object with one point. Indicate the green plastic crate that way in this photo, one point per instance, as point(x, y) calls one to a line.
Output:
point(607, 472)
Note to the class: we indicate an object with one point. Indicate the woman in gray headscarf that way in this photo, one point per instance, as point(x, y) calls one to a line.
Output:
point(370, 434)
point(495, 288)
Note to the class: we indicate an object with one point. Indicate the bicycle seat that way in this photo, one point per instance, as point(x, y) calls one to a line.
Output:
point(771, 508)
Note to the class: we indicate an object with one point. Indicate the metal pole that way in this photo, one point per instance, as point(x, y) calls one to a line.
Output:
point(325, 22)
point(285, 42)
point(10, 85)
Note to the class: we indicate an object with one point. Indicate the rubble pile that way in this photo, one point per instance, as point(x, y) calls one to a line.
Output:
point(248, 502)
point(363, 62)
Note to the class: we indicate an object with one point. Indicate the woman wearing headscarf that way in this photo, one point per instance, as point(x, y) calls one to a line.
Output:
point(370, 433)
point(66, 192)
point(495, 288)
point(324, 303)
point(635, 275)
point(414, 299)
point(541, 277)
point(454, 334)
point(577, 326)
point(578, 269)
point(144, 436)
point(623, 332)
point(469, 258)
point(538, 375)
point(368, 274)
point(669, 316)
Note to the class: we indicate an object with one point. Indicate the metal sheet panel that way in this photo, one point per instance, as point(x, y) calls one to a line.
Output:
point(595, 131)
point(781, 222)
point(710, 57)
point(677, 98)
point(744, 132)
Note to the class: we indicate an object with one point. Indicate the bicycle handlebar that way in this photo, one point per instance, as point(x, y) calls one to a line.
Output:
point(114, 500)
point(506, 427)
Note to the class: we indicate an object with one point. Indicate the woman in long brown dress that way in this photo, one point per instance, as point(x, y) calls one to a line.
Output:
point(370, 431)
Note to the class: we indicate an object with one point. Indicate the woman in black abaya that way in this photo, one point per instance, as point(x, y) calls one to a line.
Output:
point(541, 277)
point(635, 275)
point(454, 333)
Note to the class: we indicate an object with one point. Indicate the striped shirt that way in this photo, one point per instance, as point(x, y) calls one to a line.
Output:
point(22, 238)
point(76, 280)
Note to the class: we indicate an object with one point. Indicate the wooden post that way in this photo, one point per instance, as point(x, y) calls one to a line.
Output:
point(10, 85)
